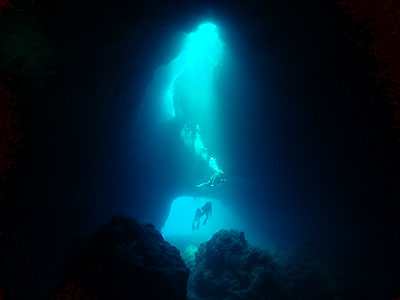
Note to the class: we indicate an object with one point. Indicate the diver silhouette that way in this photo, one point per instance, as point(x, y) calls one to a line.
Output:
point(216, 179)
point(205, 210)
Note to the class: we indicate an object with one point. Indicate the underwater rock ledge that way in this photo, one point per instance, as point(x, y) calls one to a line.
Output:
point(124, 260)
point(227, 267)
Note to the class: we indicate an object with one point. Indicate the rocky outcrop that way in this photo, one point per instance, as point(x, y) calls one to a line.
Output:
point(228, 268)
point(189, 256)
point(125, 260)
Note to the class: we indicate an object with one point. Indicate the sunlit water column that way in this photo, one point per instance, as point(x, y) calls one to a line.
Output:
point(190, 95)
point(191, 98)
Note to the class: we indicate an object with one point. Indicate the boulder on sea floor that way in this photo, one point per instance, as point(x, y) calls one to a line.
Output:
point(228, 268)
point(125, 260)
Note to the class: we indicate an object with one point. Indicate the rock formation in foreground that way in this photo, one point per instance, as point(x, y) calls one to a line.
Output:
point(124, 260)
point(226, 267)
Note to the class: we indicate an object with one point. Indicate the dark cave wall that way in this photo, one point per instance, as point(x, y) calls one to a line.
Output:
point(79, 76)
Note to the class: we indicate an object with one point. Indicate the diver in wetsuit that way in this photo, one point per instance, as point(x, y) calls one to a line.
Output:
point(196, 220)
point(216, 179)
point(205, 210)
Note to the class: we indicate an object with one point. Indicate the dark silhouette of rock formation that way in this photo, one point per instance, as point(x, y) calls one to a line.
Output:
point(228, 268)
point(124, 260)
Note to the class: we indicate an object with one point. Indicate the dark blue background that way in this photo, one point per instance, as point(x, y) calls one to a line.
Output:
point(313, 161)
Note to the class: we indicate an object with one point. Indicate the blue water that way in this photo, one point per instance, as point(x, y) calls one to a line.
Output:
point(181, 117)
point(207, 111)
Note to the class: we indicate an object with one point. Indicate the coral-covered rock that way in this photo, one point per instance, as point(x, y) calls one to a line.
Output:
point(228, 268)
point(189, 256)
point(125, 260)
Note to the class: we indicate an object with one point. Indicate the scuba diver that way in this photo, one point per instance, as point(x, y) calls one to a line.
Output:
point(205, 210)
point(216, 179)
